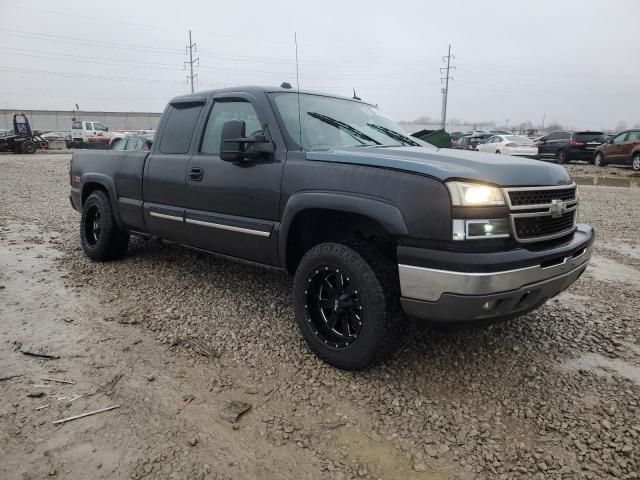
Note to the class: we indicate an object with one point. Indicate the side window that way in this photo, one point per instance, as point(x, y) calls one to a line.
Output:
point(565, 136)
point(179, 127)
point(134, 144)
point(633, 137)
point(76, 126)
point(87, 126)
point(552, 136)
point(119, 144)
point(619, 138)
point(99, 127)
point(222, 112)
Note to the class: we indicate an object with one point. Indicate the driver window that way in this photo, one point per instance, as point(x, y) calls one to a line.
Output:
point(619, 138)
point(224, 111)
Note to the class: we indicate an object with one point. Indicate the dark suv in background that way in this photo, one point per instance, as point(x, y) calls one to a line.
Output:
point(565, 145)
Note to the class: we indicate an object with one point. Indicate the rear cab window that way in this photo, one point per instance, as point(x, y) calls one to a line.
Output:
point(179, 127)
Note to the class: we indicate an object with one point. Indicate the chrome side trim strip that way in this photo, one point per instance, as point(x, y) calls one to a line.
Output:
point(429, 284)
point(166, 217)
point(230, 228)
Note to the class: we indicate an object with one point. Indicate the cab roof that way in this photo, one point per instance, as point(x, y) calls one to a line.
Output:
point(254, 90)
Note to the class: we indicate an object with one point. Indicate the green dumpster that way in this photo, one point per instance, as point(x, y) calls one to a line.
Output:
point(438, 138)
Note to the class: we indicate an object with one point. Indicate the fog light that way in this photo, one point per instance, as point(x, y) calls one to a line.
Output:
point(489, 305)
point(476, 229)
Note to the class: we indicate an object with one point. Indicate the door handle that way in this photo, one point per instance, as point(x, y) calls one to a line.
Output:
point(196, 174)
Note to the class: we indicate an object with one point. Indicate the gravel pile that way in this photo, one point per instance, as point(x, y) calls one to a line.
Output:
point(538, 397)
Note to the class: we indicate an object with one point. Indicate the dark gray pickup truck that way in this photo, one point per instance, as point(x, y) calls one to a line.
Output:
point(370, 221)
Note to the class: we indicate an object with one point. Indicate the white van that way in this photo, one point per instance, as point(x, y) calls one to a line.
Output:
point(88, 133)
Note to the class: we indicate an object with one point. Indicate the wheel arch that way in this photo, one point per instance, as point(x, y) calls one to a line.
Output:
point(342, 214)
point(93, 182)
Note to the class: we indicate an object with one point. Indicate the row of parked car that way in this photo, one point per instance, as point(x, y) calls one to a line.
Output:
point(561, 146)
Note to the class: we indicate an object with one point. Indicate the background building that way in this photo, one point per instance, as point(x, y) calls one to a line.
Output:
point(59, 120)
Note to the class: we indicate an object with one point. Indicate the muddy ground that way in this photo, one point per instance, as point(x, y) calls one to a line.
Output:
point(171, 337)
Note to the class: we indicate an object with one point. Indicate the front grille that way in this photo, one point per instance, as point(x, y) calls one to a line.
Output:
point(543, 226)
point(520, 198)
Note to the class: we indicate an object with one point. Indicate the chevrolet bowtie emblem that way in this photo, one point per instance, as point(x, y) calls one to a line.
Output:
point(558, 208)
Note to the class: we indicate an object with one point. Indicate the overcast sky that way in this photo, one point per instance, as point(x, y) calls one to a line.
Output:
point(577, 62)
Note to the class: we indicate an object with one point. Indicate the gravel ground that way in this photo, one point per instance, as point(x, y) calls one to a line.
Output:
point(551, 395)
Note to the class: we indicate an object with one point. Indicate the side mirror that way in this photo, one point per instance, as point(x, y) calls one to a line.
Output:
point(149, 143)
point(234, 146)
point(609, 140)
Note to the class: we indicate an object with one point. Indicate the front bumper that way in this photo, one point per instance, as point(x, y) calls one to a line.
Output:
point(463, 286)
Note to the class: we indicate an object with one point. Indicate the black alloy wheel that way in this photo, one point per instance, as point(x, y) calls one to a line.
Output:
point(100, 236)
point(334, 308)
point(92, 225)
point(346, 299)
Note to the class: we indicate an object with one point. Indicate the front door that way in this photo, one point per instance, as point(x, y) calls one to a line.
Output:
point(233, 208)
point(616, 150)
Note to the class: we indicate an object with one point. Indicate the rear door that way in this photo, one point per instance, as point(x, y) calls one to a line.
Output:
point(234, 208)
point(166, 169)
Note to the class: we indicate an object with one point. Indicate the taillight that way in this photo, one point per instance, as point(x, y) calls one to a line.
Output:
point(573, 143)
point(511, 145)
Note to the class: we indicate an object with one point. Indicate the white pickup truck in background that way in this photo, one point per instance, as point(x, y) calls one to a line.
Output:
point(89, 134)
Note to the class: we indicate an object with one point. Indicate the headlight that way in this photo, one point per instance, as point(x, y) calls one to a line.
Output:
point(474, 195)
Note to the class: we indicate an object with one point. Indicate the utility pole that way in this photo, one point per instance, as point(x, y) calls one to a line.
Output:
point(445, 91)
point(543, 117)
point(190, 49)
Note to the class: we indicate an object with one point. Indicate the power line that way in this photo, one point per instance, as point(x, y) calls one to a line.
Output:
point(190, 49)
point(445, 79)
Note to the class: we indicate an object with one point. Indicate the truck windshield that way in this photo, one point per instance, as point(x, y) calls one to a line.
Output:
point(323, 123)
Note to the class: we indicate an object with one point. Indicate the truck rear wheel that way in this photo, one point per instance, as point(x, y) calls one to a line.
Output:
point(100, 236)
point(347, 304)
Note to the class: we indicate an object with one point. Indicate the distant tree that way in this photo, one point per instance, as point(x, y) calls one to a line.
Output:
point(622, 125)
point(552, 127)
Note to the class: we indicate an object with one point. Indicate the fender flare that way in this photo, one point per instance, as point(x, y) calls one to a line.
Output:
point(106, 182)
point(387, 215)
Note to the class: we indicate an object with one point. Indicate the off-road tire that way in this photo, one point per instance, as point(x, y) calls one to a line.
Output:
point(376, 278)
point(562, 157)
point(111, 242)
point(28, 146)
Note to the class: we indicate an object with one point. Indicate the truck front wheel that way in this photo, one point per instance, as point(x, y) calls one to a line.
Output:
point(100, 236)
point(347, 304)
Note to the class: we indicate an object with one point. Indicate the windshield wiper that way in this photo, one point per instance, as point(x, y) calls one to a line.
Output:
point(397, 136)
point(354, 132)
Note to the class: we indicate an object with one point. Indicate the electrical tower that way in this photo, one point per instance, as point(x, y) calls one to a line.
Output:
point(190, 49)
point(445, 80)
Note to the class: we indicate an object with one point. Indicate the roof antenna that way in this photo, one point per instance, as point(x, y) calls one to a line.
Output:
point(355, 97)
point(295, 39)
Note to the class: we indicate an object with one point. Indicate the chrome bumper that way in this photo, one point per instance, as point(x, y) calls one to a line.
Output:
point(429, 284)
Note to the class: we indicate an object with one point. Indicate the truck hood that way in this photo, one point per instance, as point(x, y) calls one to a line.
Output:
point(445, 164)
